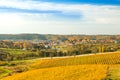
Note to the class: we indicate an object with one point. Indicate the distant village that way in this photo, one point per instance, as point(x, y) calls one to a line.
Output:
point(57, 46)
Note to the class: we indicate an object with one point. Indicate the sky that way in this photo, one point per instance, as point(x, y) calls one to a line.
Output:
point(88, 17)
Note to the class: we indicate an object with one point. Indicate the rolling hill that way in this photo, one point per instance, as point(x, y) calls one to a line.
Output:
point(90, 67)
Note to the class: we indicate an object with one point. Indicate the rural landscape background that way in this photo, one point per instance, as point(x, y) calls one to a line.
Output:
point(51, 57)
point(59, 40)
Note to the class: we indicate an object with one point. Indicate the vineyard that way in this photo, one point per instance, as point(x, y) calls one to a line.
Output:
point(15, 51)
point(80, 72)
point(111, 58)
point(89, 67)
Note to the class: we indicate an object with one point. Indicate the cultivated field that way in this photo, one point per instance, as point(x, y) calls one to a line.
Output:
point(109, 59)
point(91, 67)
point(79, 72)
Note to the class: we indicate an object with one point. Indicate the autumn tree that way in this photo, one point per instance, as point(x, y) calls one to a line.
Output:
point(25, 45)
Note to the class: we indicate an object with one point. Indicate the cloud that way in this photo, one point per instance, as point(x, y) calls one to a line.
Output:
point(49, 16)
point(91, 13)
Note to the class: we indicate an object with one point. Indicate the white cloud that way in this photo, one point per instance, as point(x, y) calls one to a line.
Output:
point(92, 16)
point(91, 13)
point(10, 19)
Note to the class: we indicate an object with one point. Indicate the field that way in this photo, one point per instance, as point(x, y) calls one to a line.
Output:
point(80, 72)
point(15, 51)
point(90, 67)
point(109, 59)
point(114, 72)
point(3, 72)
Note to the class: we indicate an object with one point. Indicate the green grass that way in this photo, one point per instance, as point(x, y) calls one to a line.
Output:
point(15, 51)
point(4, 72)
point(113, 73)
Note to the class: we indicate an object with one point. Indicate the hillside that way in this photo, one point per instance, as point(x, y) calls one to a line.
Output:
point(79, 72)
point(32, 36)
point(51, 36)
point(90, 67)
point(108, 59)
point(21, 36)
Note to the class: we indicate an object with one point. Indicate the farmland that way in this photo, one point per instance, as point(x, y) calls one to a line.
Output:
point(109, 59)
point(59, 39)
point(67, 57)
point(89, 67)
point(80, 72)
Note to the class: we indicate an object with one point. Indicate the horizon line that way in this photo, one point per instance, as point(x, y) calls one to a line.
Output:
point(54, 34)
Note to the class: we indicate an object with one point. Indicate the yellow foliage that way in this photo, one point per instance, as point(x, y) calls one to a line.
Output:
point(111, 58)
point(78, 72)
point(91, 67)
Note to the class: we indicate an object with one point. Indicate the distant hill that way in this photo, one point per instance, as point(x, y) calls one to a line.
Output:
point(21, 36)
point(51, 37)
point(33, 37)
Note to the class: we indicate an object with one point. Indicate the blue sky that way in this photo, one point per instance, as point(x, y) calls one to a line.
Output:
point(60, 16)
point(97, 2)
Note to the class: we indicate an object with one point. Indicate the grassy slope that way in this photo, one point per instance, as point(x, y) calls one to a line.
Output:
point(112, 58)
point(114, 72)
point(15, 51)
point(86, 67)
point(79, 72)
point(4, 72)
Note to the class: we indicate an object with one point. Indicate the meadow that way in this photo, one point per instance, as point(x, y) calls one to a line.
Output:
point(15, 51)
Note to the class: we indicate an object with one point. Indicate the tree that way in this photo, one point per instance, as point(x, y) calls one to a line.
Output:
point(101, 48)
point(25, 45)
